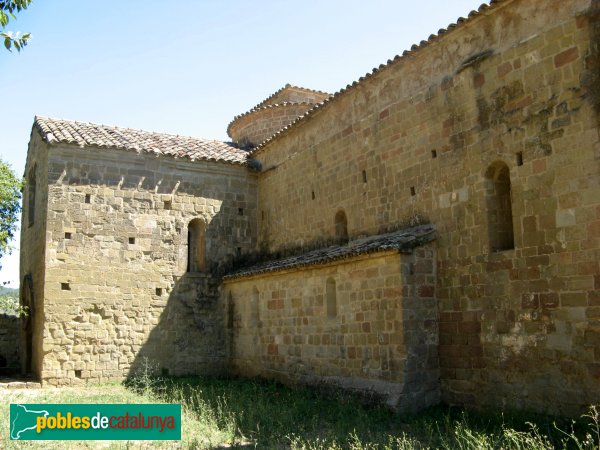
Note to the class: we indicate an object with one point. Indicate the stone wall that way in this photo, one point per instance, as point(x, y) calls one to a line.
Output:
point(32, 266)
point(118, 293)
point(272, 114)
point(367, 324)
point(503, 108)
point(253, 128)
point(9, 343)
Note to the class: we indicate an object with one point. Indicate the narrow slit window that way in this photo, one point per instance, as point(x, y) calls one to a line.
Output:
point(88, 198)
point(255, 306)
point(341, 226)
point(196, 246)
point(230, 311)
point(413, 192)
point(364, 176)
point(519, 158)
point(433, 154)
point(31, 182)
point(331, 298)
point(499, 207)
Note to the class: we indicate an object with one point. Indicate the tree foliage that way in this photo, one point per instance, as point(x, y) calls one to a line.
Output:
point(10, 196)
point(9, 303)
point(8, 10)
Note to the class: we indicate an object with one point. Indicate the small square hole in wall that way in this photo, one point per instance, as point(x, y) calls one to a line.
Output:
point(77, 373)
point(88, 198)
point(168, 204)
point(519, 158)
point(68, 235)
point(434, 153)
point(132, 240)
point(159, 291)
point(65, 286)
point(240, 211)
point(412, 191)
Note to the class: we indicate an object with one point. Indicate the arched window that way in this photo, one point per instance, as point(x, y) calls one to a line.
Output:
point(341, 226)
point(196, 246)
point(255, 311)
point(31, 187)
point(499, 207)
point(331, 298)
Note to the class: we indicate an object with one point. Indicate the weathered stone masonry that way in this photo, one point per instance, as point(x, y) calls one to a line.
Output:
point(9, 352)
point(367, 322)
point(117, 287)
point(488, 132)
point(424, 137)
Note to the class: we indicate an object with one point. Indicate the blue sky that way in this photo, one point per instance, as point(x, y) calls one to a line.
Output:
point(191, 68)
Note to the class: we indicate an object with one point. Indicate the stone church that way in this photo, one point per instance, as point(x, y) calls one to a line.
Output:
point(430, 233)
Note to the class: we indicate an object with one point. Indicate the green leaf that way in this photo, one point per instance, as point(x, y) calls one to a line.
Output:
point(9, 9)
point(10, 194)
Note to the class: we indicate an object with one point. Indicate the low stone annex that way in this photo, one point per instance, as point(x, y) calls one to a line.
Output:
point(429, 233)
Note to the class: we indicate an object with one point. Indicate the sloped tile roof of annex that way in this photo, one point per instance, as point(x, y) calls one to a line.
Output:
point(54, 131)
point(402, 241)
point(484, 7)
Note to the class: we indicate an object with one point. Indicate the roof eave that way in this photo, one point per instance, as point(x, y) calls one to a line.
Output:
point(433, 39)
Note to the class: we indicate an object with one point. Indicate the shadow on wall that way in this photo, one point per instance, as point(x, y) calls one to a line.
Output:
point(9, 346)
point(186, 321)
point(342, 327)
point(30, 330)
point(187, 336)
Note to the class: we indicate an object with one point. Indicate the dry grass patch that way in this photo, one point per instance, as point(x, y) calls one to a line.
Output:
point(234, 413)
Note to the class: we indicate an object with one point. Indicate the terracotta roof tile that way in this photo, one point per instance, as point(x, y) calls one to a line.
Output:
point(267, 100)
point(267, 103)
point(92, 135)
point(262, 108)
point(401, 241)
point(405, 54)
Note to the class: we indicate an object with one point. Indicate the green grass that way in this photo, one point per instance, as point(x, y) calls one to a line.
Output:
point(221, 413)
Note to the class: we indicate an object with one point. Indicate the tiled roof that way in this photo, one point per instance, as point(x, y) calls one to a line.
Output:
point(401, 241)
point(267, 100)
point(266, 103)
point(263, 108)
point(93, 135)
point(406, 54)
